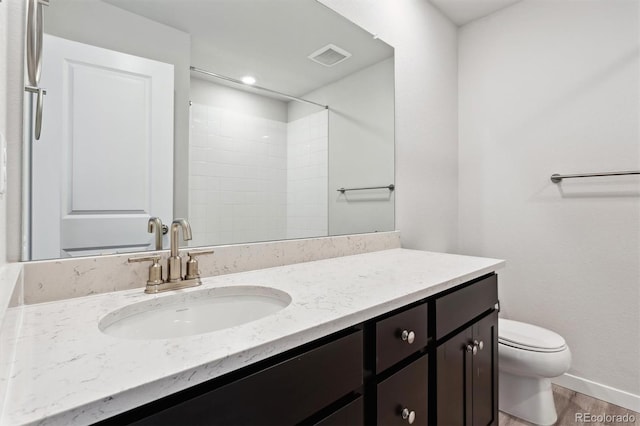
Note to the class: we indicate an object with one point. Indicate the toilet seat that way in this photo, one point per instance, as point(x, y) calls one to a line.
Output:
point(529, 337)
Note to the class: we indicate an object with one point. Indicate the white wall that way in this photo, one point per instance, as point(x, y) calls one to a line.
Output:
point(361, 148)
point(307, 175)
point(253, 175)
point(425, 45)
point(11, 73)
point(237, 166)
point(203, 91)
point(553, 87)
point(101, 24)
point(3, 123)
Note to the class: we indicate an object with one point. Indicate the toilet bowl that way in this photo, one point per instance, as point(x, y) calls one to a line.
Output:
point(529, 356)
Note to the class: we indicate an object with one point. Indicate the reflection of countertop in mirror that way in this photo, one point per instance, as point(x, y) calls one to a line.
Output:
point(68, 372)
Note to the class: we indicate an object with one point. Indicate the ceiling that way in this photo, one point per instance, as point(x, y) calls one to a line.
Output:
point(462, 12)
point(269, 40)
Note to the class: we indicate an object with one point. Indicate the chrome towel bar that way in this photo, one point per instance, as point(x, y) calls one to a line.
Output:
point(556, 178)
point(389, 187)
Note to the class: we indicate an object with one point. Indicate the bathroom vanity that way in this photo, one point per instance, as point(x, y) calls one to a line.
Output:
point(376, 372)
point(391, 337)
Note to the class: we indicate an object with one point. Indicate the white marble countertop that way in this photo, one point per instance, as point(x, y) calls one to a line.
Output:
point(67, 372)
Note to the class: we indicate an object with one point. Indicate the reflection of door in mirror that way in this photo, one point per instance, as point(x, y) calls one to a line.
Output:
point(104, 164)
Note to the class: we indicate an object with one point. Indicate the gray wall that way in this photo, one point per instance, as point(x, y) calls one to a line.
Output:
point(100, 24)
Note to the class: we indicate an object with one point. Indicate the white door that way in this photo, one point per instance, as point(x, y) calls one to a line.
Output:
point(104, 162)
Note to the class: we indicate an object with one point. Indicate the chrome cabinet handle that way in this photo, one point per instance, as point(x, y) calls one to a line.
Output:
point(472, 348)
point(479, 345)
point(409, 416)
point(408, 336)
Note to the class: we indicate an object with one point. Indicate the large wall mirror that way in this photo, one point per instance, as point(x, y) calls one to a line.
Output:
point(246, 117)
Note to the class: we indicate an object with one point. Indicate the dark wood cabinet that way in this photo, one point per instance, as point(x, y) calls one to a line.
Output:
point(453, 379)
point(435, 359)
point(305, 386)
point(400, 335)
point(406, 390)
point(467, 364)
point(485, 371)
point(350, 414)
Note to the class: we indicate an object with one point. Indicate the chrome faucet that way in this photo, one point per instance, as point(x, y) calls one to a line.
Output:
point(175, 261)
point(155, 225)
point(175, 280)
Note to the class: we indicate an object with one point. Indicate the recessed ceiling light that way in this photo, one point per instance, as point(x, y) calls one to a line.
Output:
point(247, 79)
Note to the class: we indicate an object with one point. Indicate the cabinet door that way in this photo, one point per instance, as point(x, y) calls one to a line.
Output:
point(485, 371)
point(454, 385)
point(405, 390)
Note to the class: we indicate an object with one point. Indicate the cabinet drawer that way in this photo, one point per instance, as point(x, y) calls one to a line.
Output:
point(285, 393)
point(351, 414)
point(458, 308)
point(390, 347)
point(405, 389)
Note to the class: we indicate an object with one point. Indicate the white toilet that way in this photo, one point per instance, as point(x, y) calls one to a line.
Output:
point(529, 356)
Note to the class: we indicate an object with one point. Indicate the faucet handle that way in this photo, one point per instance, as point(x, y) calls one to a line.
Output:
point(198, 252)
point(155, 270)
point(192, 263)
point(153, 258)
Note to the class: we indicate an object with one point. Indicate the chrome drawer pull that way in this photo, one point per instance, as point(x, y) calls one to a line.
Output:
point(408, 336)
point(409, 416)
point(472, 348)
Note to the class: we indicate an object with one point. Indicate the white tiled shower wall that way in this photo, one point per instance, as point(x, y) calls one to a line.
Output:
point(256, 179)
point(307, 175)
point(237, 177)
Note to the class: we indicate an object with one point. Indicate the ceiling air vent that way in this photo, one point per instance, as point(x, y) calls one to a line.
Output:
point(329, 55)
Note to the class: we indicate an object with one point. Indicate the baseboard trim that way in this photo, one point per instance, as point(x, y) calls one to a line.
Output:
point(597, 390)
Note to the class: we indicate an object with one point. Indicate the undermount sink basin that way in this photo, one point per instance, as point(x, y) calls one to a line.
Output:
point(195, 312)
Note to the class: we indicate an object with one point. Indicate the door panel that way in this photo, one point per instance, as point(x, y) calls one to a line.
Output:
point(453, 379)
point(485, 372)
point(104, 163)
